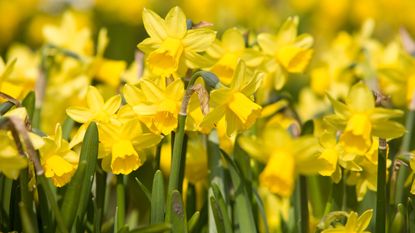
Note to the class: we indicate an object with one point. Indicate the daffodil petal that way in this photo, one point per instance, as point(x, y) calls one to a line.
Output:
point(176, 23)
point(79, 114)
point(112, 104)
point(199, 40)
point(233, 40)
point(94, 98)
point(154, 25)
point(360, 98)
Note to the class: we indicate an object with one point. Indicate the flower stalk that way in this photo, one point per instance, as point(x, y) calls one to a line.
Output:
point(381, 188)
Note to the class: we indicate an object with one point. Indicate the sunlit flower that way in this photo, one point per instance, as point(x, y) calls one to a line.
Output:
point(172, 48)
point(227, 102)
point(97, 110)
point(287, 52)
point(58, 159)
point(227, 53)
point(157, 106)
point(354, 223)
point(285, 157)
point(121, 146)
point(359, 120)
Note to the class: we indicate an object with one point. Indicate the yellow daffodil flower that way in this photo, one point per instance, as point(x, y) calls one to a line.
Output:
point(172, 48)
point(6, 86)
point(10, 161)
point(121, 145)
point(58, 159)
point(156, 105)
point(285, 157)
point(359, 120)
point(286, 52)
point(106, 70)
point(69, 35)
point(97, 110)
point(354, 223)
point(234, 104)
point(227, 53)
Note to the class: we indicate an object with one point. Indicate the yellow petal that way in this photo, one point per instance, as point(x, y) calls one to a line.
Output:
point(94, 98)
point(294, 59)
point(199, 40)
point(148, 45)
point(278, 175)
point(152, 92)
point(267, 43)
point(112, 104)
point(154, 25)
point(360, 98)
point(364, 220)
point(233, 40)
point(79, 114)
point(176, 23)
point(59, 170)
point(357, 138)
point(124, 158)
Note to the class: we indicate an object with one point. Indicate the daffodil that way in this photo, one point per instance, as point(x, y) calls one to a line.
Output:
point(6, 86)
point(58, 159)
point(106, 70)
point(157, 106)
point(69, 35)
point(234, 103)
point(10, 161)
point(354, 223)
point(97, 110)
point(227, 53)
point(286, 52)
point(121, 146)
point(359, 120)
point(171, 47)
point(284, 158)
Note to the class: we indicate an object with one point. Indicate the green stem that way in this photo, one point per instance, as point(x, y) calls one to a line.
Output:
point(53, 203)
point(120, 202)
point(399, 192)
point(177, 155)
point(304, 221)
point(381, 188)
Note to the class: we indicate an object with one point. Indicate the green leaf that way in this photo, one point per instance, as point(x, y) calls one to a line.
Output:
point(157, 199)
point(261, 208)
point(178, 215)
point(191, 224)
point(27, 223)
point(154, 228)
point(243, 208)
point(144, 189)
point(222, 208)
point(220, 225)
point(67, 128)
point(29, 103)
point(78, 191)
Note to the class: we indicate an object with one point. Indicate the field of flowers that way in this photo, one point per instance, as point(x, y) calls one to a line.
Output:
point(151, 116)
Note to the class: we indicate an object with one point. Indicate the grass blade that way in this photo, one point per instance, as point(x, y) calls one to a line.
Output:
point(157, 199)
point(178, 214)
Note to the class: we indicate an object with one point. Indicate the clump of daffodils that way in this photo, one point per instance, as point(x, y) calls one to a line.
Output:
point(234, 129)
